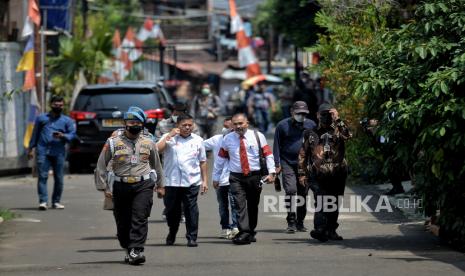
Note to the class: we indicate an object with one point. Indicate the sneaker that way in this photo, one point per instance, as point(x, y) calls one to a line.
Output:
point(58, 206)
point(136, 256)
point(332, 235)
point(225, 233)
point(233, 233)
point(302, 228)
point(291, 229)
point(43, 206)
point(319, 235)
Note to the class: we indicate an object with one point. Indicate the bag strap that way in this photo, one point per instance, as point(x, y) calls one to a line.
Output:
point(260, 150)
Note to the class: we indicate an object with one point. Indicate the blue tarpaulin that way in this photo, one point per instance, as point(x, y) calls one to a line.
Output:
point(58, 13)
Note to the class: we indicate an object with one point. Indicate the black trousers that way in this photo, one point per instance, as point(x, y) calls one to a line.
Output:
point(327, 221)
point(132, 206)
point(246, 193)
point(295, 215)
point(176, 199)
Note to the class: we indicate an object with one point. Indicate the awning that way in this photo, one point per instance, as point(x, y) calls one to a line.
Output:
point(230, 74)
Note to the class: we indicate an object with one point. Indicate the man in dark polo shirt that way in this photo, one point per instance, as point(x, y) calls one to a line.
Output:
point(287, 143)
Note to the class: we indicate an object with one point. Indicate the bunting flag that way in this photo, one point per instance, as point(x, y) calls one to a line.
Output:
point(131, 45)
point(246, 55)
point(126, 52)
point(33, 12)
point(26, 63)
point(34, 108)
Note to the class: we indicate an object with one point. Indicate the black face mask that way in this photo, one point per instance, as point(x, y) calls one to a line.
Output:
point(57, 110)
point(134, 129)
point(326, 118)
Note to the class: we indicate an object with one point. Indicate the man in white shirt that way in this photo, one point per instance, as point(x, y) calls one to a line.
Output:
point(185, 170)
point(223, 191)
point(242, 149)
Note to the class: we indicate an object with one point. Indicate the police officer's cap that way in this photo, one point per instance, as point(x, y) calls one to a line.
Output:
point(325, 107)
point(135, 113)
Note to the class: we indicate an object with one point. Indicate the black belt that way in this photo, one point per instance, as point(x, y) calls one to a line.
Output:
point(241, 174)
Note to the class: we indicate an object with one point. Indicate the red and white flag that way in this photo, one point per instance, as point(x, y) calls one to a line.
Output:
point(131, 45)
point(246, 55)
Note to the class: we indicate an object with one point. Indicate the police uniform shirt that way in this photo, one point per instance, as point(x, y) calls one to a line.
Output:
point(130, 157)
point(181, 160)
point(214, 144)
point(230, 151)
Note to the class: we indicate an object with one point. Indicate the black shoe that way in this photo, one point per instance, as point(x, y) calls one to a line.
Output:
point(136, 257)
point(192, 243)
point(170, 239)
point(395, 191)
point(242, 238)
point(301, 228)
point(319, 235)
point(126, 258)
point(332, 235)
point(291, 229)
point(253, 239)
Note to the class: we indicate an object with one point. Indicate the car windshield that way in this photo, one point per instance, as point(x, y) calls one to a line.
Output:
point(121, 99)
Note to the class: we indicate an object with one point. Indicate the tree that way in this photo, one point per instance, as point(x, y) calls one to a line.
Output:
point(294, 18)
point(411, 78)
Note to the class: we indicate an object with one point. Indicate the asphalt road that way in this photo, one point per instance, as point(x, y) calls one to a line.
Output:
point(80, 240)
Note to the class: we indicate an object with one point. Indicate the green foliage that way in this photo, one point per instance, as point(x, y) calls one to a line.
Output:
point(411, 78)
point(119, 14)
point(294, 18)
point(7, 214)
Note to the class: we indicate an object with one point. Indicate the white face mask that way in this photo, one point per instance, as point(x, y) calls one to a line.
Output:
point(175, 118)
point(299, 118)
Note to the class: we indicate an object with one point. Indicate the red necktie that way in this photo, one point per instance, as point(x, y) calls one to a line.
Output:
point(244, 160)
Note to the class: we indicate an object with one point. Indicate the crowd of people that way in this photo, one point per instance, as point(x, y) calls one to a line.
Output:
point(134, 164)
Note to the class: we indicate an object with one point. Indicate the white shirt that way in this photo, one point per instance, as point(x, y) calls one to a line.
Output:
point(230, 151)
point(181, 161)
point(214, 144)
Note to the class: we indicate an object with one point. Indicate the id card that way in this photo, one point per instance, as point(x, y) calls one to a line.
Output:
point(134, 159)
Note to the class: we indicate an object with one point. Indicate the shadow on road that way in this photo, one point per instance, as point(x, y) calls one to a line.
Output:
point(99, 250)
point(98, 238)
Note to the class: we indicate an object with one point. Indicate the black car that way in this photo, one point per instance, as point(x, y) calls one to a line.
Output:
point(98, 111)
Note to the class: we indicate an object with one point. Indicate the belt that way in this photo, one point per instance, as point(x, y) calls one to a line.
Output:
point(241, 174)
point(132, 179)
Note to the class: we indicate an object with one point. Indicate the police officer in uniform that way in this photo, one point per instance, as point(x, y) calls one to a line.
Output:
point(135, 174)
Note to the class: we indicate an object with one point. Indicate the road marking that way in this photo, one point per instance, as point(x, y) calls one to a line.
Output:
point(26, 220)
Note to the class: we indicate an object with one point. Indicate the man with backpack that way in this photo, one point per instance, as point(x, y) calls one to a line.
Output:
point(323, 167)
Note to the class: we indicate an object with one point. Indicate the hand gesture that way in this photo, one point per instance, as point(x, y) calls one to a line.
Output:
point(175, 131)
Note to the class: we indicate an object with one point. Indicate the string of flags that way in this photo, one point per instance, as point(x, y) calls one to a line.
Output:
point(130, 49)
point(26, 64)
